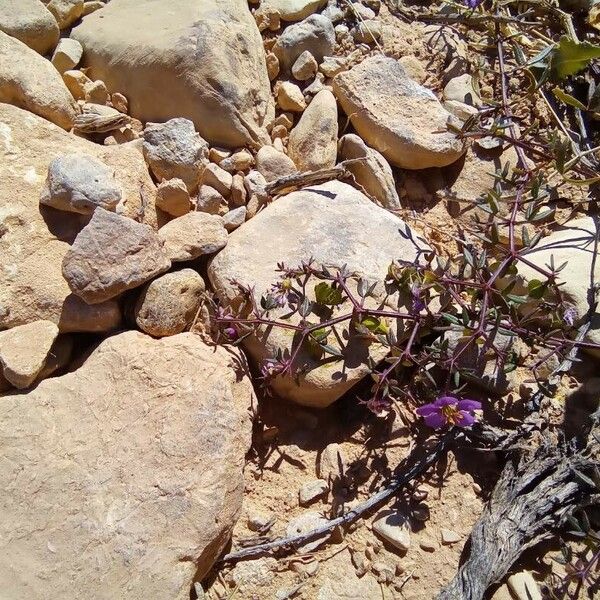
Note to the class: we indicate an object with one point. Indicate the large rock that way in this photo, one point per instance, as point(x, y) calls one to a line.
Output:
point(200, 60)
point(124, 478)
point(34, 238)
point(397, 116)
point(336, 225)
point(371, 171)
point(294, 10)
point(315, 34)
point(31, 82)
point(313, 142)
point(31, 22)
point(112, 254)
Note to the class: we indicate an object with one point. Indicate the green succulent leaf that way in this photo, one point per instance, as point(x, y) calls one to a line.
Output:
point(570, 57)
point(326, 294)
point(568, 99)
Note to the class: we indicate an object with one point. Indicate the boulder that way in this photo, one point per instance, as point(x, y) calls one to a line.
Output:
point(395, 115)
point(336, 225)
point(174, 150)
point(35, 238)
point(123, 479)
point(272, 164)
point(112, 254)
point(193, 235)
point(315, 34)
point(31, 22)
point(313, 141)
point(24, 351)
point(29, 81)
point(294, 10)
point(80, 183)
point(168, 304)
point(66, 12)
point(67, 55)
point(372, 172)
point(201, 60)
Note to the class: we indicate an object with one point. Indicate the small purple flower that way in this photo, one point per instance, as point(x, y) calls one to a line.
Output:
point(472, 4)
point(379, 405)
point(271, 367)
point(231, 333)
point(570, 315)
point(448, 410)
point(283, 293)
point(417, 302)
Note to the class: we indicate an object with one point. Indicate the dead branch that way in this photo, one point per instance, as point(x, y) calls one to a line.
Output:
point(414, 468)
point(531, 500)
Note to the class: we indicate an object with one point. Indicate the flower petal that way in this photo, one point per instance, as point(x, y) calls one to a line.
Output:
point(427, 409)
point(446, 401)
point(466, 419)
point(435, 420)
point(467, 404)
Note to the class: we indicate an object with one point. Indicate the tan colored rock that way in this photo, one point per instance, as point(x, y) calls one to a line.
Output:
point(461, 89)
point(96, 92)
point(290, 97)
point(305, 67)
point(110, 255)
point(396, 116)
point(524, 586)
point(36, 238)
point(66, 12)
point(238, 191)
point(393, 527)
point(29, 81)
point(372, 172)
point(209, 200)
point(30, 22)
point(333, 223)
point(76, 82)
point(130, 466)
point(294, 10)
point(272, 65)
point(119, 102)
point(24, 351)
point(235, 218)
point(92, 6)
point(173, 197)
point(217, 178)
point(313, 141)
point(267, 17)
point(193, 235)
point(168, 304)
point(174, 149)
point(238, 161)
point(67, 55)
point(220, 84)
point(272, 164)
point(332, 463)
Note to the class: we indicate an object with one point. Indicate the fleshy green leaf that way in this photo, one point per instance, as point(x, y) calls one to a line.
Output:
point(374, 325)
point(326, 294)
point(570, 57)
point(567, 98)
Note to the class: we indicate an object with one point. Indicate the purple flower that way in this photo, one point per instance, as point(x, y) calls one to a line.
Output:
point(417, 303)
point(473, 4)
point(379, 405)
point(448, 410)
point(283, 293)
point(231, 333)
point(271, 367)
point(570, 315)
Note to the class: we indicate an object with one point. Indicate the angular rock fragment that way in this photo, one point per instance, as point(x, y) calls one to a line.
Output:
point(112, 254)
point(272, 164)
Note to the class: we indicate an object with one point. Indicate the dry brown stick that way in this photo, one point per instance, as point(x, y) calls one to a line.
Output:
point(531, 499)
point(417, 468)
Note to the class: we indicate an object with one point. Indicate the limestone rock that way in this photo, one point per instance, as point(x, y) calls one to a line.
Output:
point(112, 254)
point(373, 173)
point(35, 238)
point(80, 183)
point(393, 527)
point(313, 142)
point(209, 200)
point(333, 223)
point(311, 491)
point(172, 196)
point(272, 164)
point(193, 235)
point(168, 304)
point(217, 178)
point(524, 586)
point(66, 12)
point(174, 149)
point(294, 10)
point(235, 218)
point(449, 537)
point(76, 81)
point(238, 161)
point(67, 55)
point(303, 524)
point(31, 22)
point(24, 351)
point(314, 34)
point(332, 463)
point(130, 466)
point(396, 116)
point(204, 59)
point(460, 89)
point(29, 81)
point(290, 97)
point(305, 67)
point(95, 92)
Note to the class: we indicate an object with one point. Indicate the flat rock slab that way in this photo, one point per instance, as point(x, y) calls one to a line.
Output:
point(112, 254)
point(34, 239)
point(124, 478)
point(336, 225)
point(200, 60)
point(395, 115)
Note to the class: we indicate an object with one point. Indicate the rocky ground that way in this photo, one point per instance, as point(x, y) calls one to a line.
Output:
point(156, 159)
